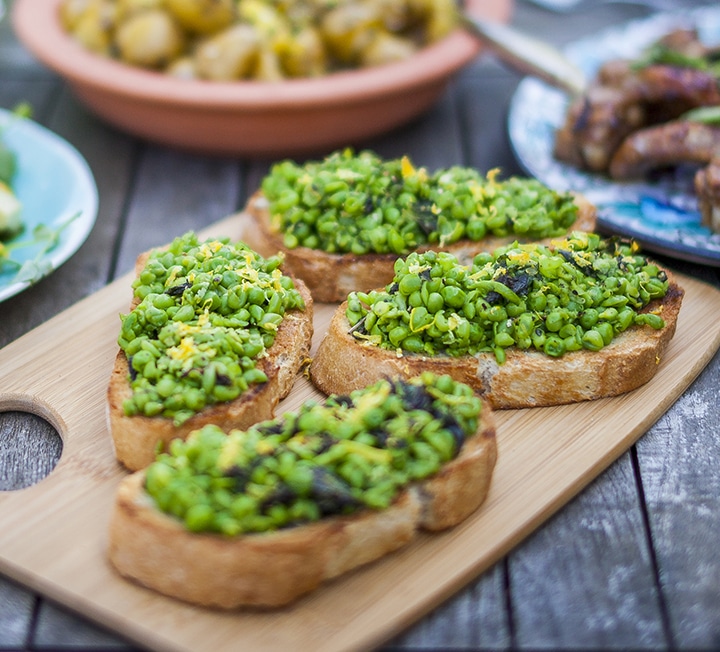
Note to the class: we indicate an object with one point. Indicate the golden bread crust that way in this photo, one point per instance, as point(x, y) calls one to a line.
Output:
point(273, 569)
point(331, 277)
point(526, 379)
point(136, 438)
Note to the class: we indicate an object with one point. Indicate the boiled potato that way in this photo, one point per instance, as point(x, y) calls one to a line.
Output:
point(202, 16)
point(267, 65)
point(304, 54)
point(266, 40)
point(231, 54)
point(93, 26)
point(149, 38)
point(182, 67)
point(386, 48)
point(126, 8)
point(441, 20)
point(348, 30)
point(267, 20)
point(71, 11)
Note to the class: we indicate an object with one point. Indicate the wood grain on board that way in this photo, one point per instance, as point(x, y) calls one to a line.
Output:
point(546, 455)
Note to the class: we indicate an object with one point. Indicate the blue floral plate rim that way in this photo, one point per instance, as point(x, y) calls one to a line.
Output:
point(55, 185)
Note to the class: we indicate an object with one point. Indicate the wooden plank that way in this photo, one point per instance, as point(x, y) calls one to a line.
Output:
point(680, 471)
point(475, 619)
point(357, 611)
point(591, 571)
point(175, 192)
point(15, 614)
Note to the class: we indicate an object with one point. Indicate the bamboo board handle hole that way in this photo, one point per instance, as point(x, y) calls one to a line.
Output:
point(29, 451)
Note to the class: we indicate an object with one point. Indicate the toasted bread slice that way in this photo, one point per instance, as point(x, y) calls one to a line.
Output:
point(275, 568)
point(137, 438)
point(331, 277)
point(527, 378)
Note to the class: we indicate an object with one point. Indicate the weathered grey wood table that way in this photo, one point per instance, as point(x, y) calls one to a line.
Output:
point(630, 563)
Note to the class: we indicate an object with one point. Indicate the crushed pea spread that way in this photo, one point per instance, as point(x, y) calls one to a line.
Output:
point(208, 310)
point(576, 294)
point(363, 204)
point(338, 456)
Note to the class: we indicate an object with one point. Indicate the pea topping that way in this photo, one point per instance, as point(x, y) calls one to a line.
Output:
point(333, 457)
point(578, 293)
point(207, 312)
point(363, 204)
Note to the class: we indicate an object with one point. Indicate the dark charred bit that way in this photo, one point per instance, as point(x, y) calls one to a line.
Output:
point(324, 442)
point(240, 475)
point(416, 397)
point(133, 373)
point(331, 494)
point(343, 400)
point(369, 205)
point(520, 283)
point(360, 326)
point(177, 290)
point(424, 216)
point(493, 297)
point(381, 437)
point(614, 243)
point(570, 257)
point(283, 495)
point(222, 379)
point(622, 265)
point(393, 288)
point(453, 427)
point(425, 275)
point(275, 428)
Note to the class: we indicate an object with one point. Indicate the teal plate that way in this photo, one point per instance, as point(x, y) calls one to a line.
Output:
point(662, 214)
point(54, 184)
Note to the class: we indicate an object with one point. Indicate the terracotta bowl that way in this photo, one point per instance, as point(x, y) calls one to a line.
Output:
point(250, 118)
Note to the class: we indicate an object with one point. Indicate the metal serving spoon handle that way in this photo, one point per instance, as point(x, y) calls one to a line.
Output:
point(527, 54)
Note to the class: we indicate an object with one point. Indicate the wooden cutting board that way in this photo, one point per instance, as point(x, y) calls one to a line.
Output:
point(546, 455)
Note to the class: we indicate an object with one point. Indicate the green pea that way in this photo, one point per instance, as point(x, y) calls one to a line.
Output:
point(593, 340)
point(166, 386)
point(589, 317)
point(453, 296)
point(554, 321)
point(413, 343)
point(152, 408)
point(163, 301)
point(435, 302)
point(652, 320)
point(516, 309)
point(140, 359)
point(185, 313)
point(504, 340)
point(415, 299)
point(198, 517)
point(397, 335)
point(497, 313)
point(606, 332)
point(254, 376)
point(409, 284)
point(156, 317)
point(441, 322)
point(554, 346)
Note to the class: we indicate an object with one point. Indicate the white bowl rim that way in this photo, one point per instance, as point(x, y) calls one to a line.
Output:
point(38, 27)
